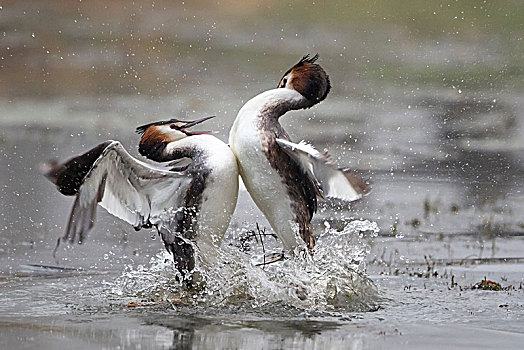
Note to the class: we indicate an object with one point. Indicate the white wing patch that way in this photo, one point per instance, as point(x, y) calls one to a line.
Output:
point(125, 187)
point(333, 182)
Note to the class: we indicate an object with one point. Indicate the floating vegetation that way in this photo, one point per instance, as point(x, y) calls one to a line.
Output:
point(486, 284)
point(415, 223)
point(453, 283)
point(427, 207)
point(430, 207)
point(394, 227)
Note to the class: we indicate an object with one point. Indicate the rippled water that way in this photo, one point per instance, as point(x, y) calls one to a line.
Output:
point(363, 287)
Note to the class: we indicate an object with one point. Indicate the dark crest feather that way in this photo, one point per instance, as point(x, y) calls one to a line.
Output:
point(304, 59)
point(307, 59)
point(142, 128)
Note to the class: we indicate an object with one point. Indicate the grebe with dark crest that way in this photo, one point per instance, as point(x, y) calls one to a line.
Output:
point(190, 205)
point(283, 178)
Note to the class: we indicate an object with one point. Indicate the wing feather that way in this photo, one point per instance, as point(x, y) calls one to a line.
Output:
point(127, 188)
point(333, 182)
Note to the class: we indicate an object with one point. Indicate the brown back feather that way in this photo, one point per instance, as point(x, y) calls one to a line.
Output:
point(302, 191)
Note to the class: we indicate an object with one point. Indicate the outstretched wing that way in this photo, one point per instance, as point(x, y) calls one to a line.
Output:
point(333, 182)
point(127, 188)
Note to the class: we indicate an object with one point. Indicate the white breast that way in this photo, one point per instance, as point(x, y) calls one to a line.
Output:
point(263, 183)
point(219, 197)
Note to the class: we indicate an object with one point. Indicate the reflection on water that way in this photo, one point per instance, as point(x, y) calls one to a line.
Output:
point(254, 334)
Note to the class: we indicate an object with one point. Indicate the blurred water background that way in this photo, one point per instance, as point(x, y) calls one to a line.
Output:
point(427, 102)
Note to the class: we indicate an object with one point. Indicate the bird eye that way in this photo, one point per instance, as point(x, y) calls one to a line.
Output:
point(172, 126)
point(284, 82)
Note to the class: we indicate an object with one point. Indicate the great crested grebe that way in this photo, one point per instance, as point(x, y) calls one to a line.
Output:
point(283, 178)
point(190, 205)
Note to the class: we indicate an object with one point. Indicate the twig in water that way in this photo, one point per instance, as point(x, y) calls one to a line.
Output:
point(252, 234)
point(262, 241)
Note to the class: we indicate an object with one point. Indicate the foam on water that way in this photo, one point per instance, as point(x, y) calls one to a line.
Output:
point(331, 279)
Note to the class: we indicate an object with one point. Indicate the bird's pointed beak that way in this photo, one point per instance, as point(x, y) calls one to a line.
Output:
point(193, 123)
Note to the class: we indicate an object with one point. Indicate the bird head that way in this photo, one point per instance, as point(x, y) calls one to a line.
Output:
point(308, 78)
point(157, 135)
point(169, 130)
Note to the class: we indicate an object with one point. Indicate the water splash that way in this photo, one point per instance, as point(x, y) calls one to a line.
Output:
point(332, 279)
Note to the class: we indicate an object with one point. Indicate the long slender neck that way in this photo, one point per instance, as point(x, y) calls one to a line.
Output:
point(205, 151)
point(189, 147)
point(274, 103)
point(160, 150)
